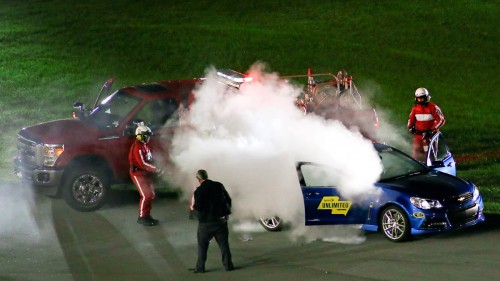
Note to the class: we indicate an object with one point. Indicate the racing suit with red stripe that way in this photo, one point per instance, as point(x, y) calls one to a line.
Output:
point(426, 119)
point(142, 171)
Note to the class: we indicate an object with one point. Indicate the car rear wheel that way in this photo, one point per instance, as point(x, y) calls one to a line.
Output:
point(394, 224)
point(271, 223)
point(86, 189)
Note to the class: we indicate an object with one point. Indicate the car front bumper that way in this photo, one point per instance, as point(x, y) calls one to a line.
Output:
point(441, 220)
point(426, 221)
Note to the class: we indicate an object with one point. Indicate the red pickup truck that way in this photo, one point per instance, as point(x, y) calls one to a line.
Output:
point(81, 157)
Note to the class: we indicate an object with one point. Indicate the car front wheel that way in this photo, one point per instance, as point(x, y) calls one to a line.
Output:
point(86, 189)
point(394, 224)
point(271, 223)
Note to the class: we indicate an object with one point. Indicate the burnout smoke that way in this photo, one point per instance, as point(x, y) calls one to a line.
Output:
point(251, 139)
point(18, 222)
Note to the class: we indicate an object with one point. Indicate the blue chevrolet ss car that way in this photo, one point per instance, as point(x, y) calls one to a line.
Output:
point(413, 198)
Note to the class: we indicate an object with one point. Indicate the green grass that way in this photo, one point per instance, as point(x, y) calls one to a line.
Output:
point(53, 53)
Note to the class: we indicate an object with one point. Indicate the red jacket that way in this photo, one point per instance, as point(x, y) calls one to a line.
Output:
point(426, 117)
point(141, 159)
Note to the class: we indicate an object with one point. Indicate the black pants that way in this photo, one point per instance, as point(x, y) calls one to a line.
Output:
point(207, 231)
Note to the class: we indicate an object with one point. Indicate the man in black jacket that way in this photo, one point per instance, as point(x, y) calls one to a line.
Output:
point(213, 204)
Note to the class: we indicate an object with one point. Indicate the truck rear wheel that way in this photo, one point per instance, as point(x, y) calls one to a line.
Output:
point(86, 189)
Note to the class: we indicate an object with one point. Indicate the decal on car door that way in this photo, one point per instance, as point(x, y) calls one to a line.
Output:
point(323, 203)
point(336, 206)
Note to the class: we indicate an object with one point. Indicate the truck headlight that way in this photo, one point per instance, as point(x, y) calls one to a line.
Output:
point(425, 204)
point(51, 152)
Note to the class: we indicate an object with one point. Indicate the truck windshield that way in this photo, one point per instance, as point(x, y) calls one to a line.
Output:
point(397, 164)
point(113, 109)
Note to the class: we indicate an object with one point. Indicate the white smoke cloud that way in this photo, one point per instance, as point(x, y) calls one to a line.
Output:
point(391, 130)
point(17, 222)
point(250, 140)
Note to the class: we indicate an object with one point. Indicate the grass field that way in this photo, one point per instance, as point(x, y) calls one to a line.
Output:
point(53, 53)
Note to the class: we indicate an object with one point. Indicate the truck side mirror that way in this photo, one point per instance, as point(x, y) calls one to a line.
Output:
point(78, 105)
point(79, 111)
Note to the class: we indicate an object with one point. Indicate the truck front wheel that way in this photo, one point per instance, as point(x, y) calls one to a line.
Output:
point(86, 189)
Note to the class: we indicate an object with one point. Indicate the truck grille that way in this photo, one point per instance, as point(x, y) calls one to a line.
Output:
point(27, 151)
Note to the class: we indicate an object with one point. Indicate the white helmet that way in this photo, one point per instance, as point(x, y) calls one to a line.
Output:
point(143, 133)
point(422, 93)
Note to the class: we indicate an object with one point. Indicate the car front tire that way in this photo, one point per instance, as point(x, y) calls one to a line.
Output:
point(395, 224)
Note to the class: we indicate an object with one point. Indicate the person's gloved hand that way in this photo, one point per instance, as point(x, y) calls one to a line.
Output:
point(412, 130)
point(428, 134)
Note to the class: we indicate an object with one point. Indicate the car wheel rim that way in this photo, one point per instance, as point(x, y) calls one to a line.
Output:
point(393, 224)
point(272, 222)
point(87, 189)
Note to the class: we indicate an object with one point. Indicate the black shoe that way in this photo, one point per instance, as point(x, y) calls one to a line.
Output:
point(194, 270)
point(147, 221)
point(230, 268)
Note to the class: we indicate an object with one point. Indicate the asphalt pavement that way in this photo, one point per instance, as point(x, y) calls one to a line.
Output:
point(44, 239)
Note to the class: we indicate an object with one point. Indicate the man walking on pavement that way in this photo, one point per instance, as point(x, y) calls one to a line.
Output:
point(213, 204)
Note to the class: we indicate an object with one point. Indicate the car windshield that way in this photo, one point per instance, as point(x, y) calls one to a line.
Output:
point(113, 109)
point(397, 164)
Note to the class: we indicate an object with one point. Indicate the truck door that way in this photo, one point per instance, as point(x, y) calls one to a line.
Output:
point(111, 117)
point(439, 156)
point(323, 202)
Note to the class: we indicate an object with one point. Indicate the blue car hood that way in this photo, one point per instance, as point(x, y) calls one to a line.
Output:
point(432, 185)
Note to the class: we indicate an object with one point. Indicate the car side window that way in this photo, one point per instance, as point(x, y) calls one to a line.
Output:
point(318, 176)
point(159, 113)
point(394, 165)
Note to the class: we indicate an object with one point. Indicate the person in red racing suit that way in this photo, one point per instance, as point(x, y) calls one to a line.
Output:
point(425, 120)
point(142, 173)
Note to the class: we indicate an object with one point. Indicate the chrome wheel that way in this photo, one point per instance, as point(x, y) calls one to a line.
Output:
point(394, 224)
point(271, 223)
point(86, 189)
